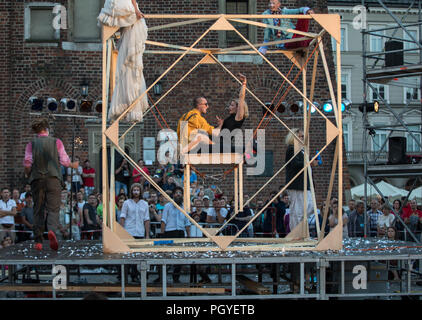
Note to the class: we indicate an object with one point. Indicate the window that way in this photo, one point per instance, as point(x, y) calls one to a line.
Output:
point(231, 38)
point(346, 75)
point(343, 42)
point(381, 91)
point(376, 43)
point(39, 22)
point(411, 95)
point(378, 140)
point(84, 17)
point(411, 145)
point(237, 7)
point(347, 135)
point(410, 45)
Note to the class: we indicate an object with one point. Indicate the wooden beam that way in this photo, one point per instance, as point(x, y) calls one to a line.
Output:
point(227, 16)
point(264, 25)
point(251, 285)
point(177, 24)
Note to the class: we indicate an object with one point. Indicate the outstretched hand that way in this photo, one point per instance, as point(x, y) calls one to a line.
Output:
point(242, 78)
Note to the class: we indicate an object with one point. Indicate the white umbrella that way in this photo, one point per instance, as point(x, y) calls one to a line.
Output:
point(386, 189)
point(416, 194)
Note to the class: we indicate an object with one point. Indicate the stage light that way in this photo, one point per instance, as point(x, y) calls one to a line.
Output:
point(36, 103)
point(68, 104)
point(270, 106)
point(52, 104)
point(313, 110)
point(98, 106)
point(370, 106)
point(282, 107)
point(85, 106)
point(345, 105)
point(327, 107)
point(296, 106)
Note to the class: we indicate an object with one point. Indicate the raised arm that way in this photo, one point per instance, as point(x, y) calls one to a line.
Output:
point(240, 114)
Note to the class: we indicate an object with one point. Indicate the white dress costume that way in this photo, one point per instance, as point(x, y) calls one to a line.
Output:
point(130, 82)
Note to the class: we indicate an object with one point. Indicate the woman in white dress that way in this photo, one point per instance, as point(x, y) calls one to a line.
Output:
point(130, 82)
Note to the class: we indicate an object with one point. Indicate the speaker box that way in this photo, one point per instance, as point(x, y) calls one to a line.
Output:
point(394, 58)
point(397, 150)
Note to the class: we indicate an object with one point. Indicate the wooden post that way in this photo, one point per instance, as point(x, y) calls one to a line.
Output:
point(241, 185)
point(236, 191)
point(187, 190)
point(306, 153)
point(340, 142)
point(103, 129)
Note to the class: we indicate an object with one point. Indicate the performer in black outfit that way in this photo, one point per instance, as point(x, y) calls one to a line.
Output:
point(238, 112)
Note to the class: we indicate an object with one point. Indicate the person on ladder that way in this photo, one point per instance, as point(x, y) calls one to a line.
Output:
point(271, 34)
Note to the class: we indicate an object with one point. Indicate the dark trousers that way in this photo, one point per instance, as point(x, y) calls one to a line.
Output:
point(176, 268)
point(47, 198)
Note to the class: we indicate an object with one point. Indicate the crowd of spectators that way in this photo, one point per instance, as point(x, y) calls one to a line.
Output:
point(140, 210)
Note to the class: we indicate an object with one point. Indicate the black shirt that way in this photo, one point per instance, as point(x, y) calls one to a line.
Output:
point(92, 213)
point(231, 124)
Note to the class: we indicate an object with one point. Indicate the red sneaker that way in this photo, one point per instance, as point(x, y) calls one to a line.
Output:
point(38, 246)
point(53, 241)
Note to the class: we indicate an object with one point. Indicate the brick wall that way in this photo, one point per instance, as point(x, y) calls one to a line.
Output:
point(50, 71)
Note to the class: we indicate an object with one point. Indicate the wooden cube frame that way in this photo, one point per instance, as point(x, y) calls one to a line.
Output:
point(115, 237)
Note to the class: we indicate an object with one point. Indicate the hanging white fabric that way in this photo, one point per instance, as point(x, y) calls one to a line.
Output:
point(130, 82)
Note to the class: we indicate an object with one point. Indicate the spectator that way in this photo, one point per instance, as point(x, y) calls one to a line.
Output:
point(122, 176)
point(90, 219)
point(217, 214)
point(198, 209)
point(413, 217)
point(27, 214)
point(333, 219)
point(206, 201)
point(258, 223)
point(80, 203)
point(7, 241)
point(274, 217)
point(357, 220)
point(397, 209)
point(195, 232)
point(241, 219)
point(169, 184)
point(373, 215)
point(26, 189)
point(135, 214)
point(121, 193)
point(392, 236)
point(174, 224)
point(64, 218)
point(137, 176)
point(88, 177)
point(7, 215)
point(351, 205)
point(16, 198)
point(84, 195)
point(385, 221)
point(154, 216)
point(76, 176)
point(68, 183)
point(100, 206)
point(119, 206)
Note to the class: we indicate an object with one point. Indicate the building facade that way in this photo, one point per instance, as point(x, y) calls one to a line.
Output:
point(41, 60)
